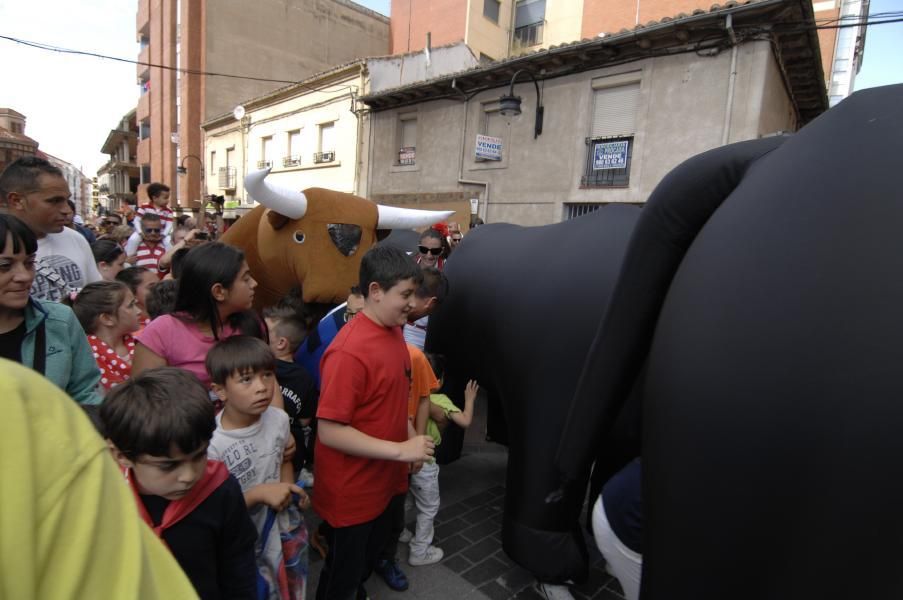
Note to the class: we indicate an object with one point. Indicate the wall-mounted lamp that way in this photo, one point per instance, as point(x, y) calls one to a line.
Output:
point(181, 170)
point(509, 105)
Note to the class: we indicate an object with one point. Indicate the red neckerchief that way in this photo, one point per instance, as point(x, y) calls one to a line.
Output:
point(214, 475)
point(113, 368)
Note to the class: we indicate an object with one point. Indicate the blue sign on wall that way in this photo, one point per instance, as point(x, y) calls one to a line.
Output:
point(610, 155)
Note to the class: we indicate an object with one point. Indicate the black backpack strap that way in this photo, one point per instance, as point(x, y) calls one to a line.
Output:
point(40, 349)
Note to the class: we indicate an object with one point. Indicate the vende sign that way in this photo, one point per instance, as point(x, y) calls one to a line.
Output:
point(610, 155)
point(488, 148)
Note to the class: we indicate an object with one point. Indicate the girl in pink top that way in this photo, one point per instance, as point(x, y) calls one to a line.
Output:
point(213, 302)
point(108, 312)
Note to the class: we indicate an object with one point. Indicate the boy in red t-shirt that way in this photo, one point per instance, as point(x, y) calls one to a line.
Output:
point(364, 433)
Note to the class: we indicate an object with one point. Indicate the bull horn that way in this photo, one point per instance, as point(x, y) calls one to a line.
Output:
point(286, 202)
point(393, 217)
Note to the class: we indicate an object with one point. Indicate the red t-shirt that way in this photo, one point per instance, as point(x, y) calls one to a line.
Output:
point(149, 256)
point(365, 382)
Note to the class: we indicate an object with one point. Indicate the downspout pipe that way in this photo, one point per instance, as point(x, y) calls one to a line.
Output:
point(484, 208)
point(731, 80)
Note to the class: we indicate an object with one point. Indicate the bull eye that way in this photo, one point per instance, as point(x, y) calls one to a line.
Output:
point(299, 237)
point(345, 236)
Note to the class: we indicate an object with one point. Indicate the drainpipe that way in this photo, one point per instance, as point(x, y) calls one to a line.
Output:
point(731, 80)
point(484, 208)
point(511, 23)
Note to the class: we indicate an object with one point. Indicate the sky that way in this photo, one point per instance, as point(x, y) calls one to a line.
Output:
point(72, 102)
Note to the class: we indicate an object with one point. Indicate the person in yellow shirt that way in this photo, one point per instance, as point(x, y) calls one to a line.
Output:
point(69, 527)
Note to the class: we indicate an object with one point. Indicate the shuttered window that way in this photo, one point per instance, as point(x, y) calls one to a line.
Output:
point(614, 111)
point(409, 133)
point(294, 143)
point(609, 147)
point(327, 137)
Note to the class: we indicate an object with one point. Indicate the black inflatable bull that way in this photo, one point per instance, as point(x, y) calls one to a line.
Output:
point(519, 318)
point(763, 292)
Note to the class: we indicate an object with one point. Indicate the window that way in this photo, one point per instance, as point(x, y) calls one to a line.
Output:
point(407, 139)
point(327, 143)
point(491, 10)
point(144, 130)
point(212, 161)
point(293, 155)
point(266, 153)
point(609, 148)
point(529, 17)
point(493, 124)
point(572, 211)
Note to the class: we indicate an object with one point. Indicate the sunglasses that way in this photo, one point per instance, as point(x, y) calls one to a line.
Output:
point(348, 315)
point(152, 230)
point(456, 239)
point(433, 251)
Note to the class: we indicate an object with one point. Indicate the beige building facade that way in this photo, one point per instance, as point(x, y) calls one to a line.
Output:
point(619, 113)
point(119, 177)
point(306, 134)
point(314, 133)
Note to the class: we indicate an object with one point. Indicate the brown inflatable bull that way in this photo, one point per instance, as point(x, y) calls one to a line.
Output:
point(313, 239)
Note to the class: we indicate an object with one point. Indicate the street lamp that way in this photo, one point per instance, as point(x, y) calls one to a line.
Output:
point(181, 170)
point(509, 105)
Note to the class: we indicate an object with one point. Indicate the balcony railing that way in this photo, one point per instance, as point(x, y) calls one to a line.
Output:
point(227, 178)
point(324, 157)
point(143, 70)
point(528, 35)
point(291, 161)
point(264, 164)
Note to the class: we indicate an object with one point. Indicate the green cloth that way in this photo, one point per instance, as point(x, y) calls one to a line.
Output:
point(445, 403)
point(70, 360)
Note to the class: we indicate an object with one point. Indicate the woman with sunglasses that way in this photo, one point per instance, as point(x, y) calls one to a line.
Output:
point(431, 250)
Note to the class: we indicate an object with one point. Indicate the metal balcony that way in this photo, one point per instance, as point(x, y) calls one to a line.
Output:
point(227, 178)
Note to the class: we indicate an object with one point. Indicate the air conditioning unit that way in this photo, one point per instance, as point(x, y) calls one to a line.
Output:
point(324, 157)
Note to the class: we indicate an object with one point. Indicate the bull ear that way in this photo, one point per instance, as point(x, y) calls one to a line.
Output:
point(276, 220)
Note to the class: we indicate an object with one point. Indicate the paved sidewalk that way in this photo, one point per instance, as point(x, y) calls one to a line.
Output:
point(468, 529)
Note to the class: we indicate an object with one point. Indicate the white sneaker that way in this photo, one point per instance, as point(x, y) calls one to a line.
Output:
point(550, 591)
point(430, 557)
point(406, 536)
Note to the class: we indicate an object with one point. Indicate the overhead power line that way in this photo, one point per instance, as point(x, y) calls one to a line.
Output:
point(836, 23)
point(61, 50)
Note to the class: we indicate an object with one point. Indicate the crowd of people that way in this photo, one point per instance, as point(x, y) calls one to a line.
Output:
point(227, 422)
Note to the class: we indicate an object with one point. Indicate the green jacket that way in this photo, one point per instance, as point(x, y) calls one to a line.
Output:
point(70, 362)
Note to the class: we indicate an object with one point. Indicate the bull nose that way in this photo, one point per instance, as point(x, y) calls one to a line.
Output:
point(345, 237)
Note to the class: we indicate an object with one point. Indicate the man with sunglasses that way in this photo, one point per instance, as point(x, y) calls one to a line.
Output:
point(150, 248)
point(454, 236)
